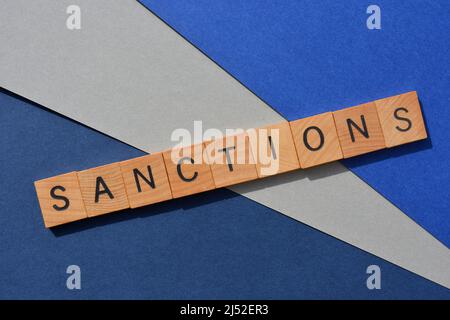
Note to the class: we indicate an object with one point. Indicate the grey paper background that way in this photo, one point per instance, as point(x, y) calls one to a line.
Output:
point(127, 74)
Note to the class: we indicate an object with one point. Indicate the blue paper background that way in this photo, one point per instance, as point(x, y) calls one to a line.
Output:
point(307, 57)
point(212, 245)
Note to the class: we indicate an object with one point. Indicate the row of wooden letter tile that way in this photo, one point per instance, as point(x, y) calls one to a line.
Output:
point(301, 144)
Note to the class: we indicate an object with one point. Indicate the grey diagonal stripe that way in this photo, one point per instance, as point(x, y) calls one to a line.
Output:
point(129, 75)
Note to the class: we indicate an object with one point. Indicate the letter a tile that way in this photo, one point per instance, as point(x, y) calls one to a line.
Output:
point(103, 189)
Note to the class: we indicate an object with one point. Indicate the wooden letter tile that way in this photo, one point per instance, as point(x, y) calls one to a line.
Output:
point(188, 171)
point(231, 160)
point(359, 130)
point(273, 149)
point(103, 189)
point(60, 199)
point(316, 140)
point(401, 119)
point(146, 180)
